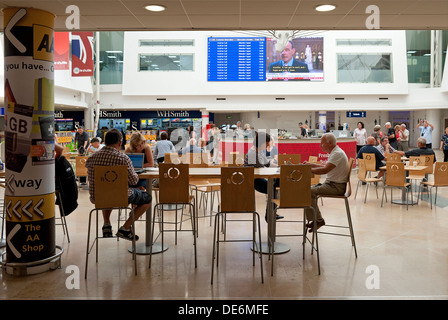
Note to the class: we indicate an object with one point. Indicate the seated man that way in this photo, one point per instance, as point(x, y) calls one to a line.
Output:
point(370, 148)
point(256, 157)
point(422, 150)
point(336, 169)
point(384, 147)
point(110, 155)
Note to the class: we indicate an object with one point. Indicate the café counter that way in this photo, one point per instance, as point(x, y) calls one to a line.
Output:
point(306, 147)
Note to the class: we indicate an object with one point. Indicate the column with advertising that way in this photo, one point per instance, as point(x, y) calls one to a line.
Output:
point(29, 139)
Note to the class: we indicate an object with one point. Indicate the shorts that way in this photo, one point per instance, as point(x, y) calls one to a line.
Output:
point(139, 197)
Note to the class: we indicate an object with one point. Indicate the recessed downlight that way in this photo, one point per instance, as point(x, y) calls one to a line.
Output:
point(325, 7)
point(155, 7)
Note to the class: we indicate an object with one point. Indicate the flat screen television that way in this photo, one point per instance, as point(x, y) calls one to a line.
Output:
point(300, 60)
point(257, 59)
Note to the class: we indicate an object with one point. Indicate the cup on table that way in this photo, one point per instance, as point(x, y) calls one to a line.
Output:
point(415, 163)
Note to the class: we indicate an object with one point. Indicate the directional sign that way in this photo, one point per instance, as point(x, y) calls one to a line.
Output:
point(12, 38)
point(34, 208)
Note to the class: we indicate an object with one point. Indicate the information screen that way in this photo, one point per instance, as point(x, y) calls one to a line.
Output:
point(236, 59)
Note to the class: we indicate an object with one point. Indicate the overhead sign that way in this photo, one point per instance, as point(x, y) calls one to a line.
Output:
point(356, 114)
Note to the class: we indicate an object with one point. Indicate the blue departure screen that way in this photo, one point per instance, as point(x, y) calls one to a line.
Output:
point(236, 59)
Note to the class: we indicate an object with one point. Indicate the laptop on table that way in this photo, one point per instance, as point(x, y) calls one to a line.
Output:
point(137, 160)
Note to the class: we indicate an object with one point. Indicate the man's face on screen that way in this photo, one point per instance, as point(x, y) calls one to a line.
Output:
point(288, 53)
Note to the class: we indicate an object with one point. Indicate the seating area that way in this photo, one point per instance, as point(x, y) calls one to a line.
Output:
point(386, 236)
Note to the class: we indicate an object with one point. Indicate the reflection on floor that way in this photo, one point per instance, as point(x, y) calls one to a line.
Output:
point(401, 255)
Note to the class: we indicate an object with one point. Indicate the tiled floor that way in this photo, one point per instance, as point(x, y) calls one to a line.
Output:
point(401, 255)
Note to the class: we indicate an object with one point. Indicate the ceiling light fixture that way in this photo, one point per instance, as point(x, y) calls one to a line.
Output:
point(325, 7)
point(155, 7)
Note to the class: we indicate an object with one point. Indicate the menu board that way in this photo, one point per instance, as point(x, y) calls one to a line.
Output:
point(236, 59)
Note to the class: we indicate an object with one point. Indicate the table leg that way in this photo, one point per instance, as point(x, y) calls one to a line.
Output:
point(145, 248)
point(271, 234)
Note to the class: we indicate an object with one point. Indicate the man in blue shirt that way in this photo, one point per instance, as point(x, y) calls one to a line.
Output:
point(426, 132)
point(370, 148)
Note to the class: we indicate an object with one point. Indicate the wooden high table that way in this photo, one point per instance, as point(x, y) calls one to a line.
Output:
point(210, 173)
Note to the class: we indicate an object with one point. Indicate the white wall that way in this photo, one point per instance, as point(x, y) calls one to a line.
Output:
point(152, 83)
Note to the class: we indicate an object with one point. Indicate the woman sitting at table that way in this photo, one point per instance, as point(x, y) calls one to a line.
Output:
point(137, 144)
point(256, 157)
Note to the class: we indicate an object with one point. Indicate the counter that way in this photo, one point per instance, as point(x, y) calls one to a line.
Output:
point(306, 147)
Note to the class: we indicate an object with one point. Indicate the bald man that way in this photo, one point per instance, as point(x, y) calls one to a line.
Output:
point(336, 169)
point(370, 148)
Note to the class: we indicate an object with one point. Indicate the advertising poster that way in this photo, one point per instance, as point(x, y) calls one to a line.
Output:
point(29, 134)
point(82, 54)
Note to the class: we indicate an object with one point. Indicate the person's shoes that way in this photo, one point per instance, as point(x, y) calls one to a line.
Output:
point(126, 234)
point(364, 183)
point(277, 217)
point(319, 224)
point(107, 231)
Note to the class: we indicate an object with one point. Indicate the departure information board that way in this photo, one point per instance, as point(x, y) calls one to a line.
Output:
point(236, 59)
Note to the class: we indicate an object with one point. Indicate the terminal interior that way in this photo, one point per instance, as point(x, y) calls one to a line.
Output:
point(386, 70)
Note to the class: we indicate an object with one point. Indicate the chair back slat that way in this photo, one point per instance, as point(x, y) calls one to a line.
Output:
point(295, 181)
point(428, 160)
point(370, 161)
point(111, 186)
point(393, 157)
point(293, 158)
point(315, 178)
point(172, 158)
point(80, 169)
point(441, 174)
point(395, 174)
point(173, 183)
point(362, 173)
point(237, 189)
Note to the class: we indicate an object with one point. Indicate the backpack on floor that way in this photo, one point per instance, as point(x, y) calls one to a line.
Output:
point(66, 184)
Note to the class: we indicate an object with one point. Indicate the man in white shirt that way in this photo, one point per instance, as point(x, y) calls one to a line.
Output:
point(336, 168)
point(403, 144)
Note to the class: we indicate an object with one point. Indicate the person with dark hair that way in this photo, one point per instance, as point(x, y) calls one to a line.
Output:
point(163, 146)
point(256, 157)
point(360, 134)
point(302, 130)
point(110, 155)
point(287, 62)
point(81, 140)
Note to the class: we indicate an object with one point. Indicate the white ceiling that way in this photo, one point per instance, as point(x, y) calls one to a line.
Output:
point(97, 15)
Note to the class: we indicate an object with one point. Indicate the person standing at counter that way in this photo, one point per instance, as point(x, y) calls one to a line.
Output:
point(336, 170)
point(256, 157)
point(81, 140)
point(302, 130)
point(360, 134)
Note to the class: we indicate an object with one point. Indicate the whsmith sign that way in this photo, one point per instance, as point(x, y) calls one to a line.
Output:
point(149, 114)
